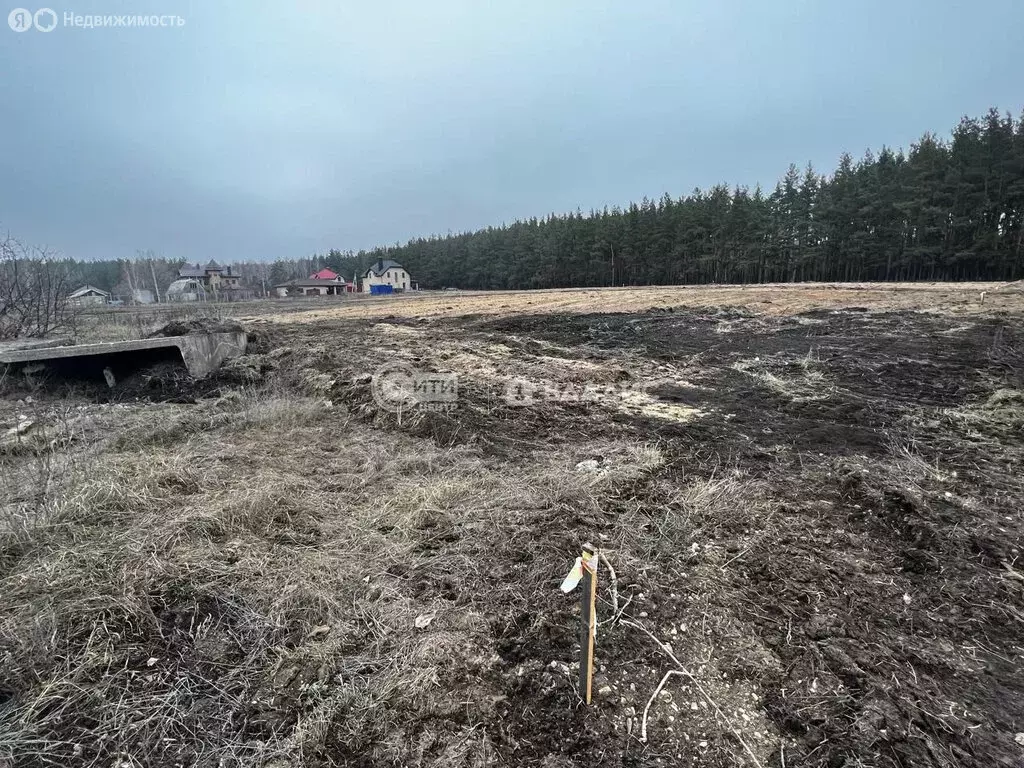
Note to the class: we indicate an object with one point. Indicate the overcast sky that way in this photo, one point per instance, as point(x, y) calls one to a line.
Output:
point(302, 126)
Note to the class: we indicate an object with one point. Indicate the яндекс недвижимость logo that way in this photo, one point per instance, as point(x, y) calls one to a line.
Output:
point(22, 19)
point(46, 20)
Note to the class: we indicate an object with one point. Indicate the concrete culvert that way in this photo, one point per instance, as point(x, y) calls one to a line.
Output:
point(201, 352)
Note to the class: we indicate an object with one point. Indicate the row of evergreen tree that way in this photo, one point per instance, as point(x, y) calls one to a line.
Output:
point(946, 210)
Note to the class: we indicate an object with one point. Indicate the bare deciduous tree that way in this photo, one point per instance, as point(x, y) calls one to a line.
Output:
point(34, 289)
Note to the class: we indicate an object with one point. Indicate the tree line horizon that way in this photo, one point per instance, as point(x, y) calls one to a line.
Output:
point(946, 210)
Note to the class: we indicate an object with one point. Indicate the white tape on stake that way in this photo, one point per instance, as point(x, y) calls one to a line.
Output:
point(572, 580)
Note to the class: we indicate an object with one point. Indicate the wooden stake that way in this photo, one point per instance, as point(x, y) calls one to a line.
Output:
point(588, 621)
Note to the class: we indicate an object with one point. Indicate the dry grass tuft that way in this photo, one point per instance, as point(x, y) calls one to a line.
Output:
point(800, 380)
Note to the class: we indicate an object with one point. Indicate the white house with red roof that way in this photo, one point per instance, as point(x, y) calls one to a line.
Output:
point(326, 282)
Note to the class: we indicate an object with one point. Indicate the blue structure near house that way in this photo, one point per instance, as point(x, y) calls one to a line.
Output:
point(381, 290)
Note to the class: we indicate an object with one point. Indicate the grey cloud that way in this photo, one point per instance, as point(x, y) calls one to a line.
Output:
point(258, 132)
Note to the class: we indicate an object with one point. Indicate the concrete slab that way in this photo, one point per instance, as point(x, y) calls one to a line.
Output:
point(19, 344)
point(202, 353)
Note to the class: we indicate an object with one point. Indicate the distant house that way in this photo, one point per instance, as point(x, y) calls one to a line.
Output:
point(386, 272)
point(186, 289)
point(329, 275)
point(314, 286)
point(88, 295)
point(213, 275)
point(196, 283)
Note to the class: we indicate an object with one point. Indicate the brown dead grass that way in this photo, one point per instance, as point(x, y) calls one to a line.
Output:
point(771, 299)
point(237, 582)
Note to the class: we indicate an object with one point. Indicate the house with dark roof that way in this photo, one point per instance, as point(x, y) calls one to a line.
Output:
point(88, 295)
point(213, 275)
point(386, 272)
